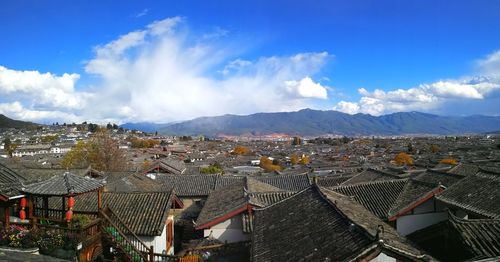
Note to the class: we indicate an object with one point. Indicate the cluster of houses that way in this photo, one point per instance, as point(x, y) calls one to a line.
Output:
point(348, 204)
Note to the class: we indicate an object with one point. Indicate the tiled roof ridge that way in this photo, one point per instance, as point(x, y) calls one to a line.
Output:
point(11, 172)
point(434, 191)
point(67, 184)
point(341, 213)
point(381, 172)
point(412, 179)
point(488, 174)
point(43, 182)
point(285, 199)
point(373, 235)
point(444, 173)
point(468, 207)
point(373, 183)
point(456, 219)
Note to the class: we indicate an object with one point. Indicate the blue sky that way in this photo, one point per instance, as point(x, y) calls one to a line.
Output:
point(161, 61)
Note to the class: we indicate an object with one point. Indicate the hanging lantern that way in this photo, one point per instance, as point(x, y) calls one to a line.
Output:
point(69, 215)
point(22, 213)
point(23, 202)
point(71, 202)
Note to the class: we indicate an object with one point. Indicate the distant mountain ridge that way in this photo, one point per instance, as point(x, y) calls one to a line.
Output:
point(315, 122)
point(6, 122)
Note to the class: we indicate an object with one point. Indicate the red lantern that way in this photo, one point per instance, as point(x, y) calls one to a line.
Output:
point(69, 215)
point(22, 214)
point(71, 202)
point(23, 202)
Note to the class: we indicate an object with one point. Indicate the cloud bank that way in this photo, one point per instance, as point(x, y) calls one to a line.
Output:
point(429, 97)
point(165, 73)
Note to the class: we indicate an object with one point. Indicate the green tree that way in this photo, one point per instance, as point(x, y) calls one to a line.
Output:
point(296, 141)
point(214, 168)
point(9, 146)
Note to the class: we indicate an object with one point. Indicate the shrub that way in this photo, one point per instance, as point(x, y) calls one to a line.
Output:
point(80, 220)
point(212, 169)
point(19, 237)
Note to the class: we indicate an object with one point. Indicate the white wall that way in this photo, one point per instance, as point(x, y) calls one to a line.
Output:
point(159, 243)
point(383, 258)
point(231, 230)
point(408, 224)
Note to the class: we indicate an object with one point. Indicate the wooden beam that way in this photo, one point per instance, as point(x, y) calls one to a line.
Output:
point(30, 212)
point(63, 208)
point(7, 216)
point(99, 199)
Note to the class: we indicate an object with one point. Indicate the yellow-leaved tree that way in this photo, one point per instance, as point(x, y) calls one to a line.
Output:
point(101, 152)
point(403, 159)
point(294, 159)
point(268, 166)
point(241, 150)
point(448, 161)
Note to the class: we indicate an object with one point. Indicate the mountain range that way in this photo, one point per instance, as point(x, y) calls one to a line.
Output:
point(308, 122)
point(6, 122)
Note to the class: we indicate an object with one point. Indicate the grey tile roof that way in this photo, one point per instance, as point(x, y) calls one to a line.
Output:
point(10, 182)
point(144, 213)
point(171, 166)
point(370, 175)
point(188, 185)
point(464, 169)
point(320, 225)
point(332, 180)
point(63, 184)
point(304, 227)
point(134, 183)
point(8, 175)
point(378, 197)
point(228, 180)
point(286, 182)
point(225, 200)
point(482, 236)
point(479, 193)
point(268, 198)
point(221, 202)
point(361, 217)
point(413, 191)
point(458, 239)
point(438, 177)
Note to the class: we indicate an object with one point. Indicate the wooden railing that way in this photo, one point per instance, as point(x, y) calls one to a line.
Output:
point(58, 214)
point(87, 235)
point(125, 239)
point(164, 258)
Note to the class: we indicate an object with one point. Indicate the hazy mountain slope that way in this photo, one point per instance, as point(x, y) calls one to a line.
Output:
point(6, 122)
point(314, 122)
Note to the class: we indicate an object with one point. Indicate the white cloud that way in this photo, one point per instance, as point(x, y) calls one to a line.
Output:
point(17, 111)
point(347, 107)
point(306, 88)
point(165, 73)
point(44, 89)
point(428, 97)
point(490, 65)
point(142, 13)
point(171, 77)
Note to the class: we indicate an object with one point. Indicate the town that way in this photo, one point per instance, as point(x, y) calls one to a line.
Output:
point(101, 192)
